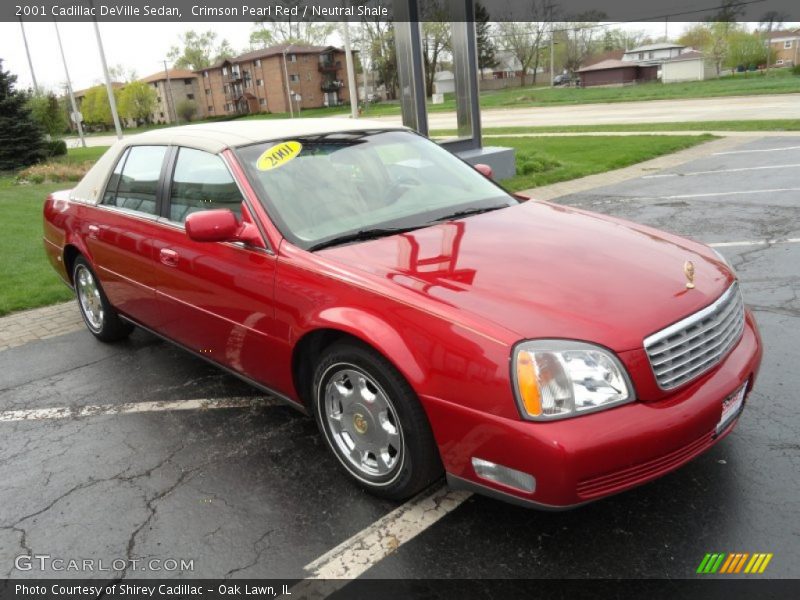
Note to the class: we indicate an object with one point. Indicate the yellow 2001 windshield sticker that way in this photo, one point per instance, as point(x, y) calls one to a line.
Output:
point(278, 155)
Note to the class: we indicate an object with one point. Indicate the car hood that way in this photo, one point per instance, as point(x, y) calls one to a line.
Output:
point(542, 270)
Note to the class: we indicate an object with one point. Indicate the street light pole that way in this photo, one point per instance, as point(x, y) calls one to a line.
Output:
point(351, 72)
point(552, 57)
point(169, 96)
point(75, 114)
point(288, 89)
point(28, 52)
point(109, 88)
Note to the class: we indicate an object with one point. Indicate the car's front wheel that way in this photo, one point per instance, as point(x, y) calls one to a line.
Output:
point(373, 422)
point(100, 317)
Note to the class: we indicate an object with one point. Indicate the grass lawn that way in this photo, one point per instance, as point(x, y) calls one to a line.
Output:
point(699, 126)
point(29, 281)
point(541, 161)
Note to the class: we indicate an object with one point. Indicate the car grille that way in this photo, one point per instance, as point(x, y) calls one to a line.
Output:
point(694, 345)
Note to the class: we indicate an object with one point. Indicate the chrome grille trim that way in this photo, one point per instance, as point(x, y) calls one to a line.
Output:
point(692, 346)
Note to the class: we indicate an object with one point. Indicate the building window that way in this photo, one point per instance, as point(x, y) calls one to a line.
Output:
point(225, 89)
point(258, 62)
point(294, 78)
point(210, 109)
point(293, 58)
point(224, 70)
point(308, 76)
point(205, 74)
point(188, 81)
point(787, 44)
point(190, 96)
point(779, 62)
point(208, 92)
point(161, 114)
point(262, 101)
point(158, 99)
point(260, 82)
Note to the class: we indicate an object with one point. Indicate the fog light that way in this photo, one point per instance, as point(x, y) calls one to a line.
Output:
point(505, 475)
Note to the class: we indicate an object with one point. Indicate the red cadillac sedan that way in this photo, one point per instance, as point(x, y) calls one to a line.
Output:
point(431, 322)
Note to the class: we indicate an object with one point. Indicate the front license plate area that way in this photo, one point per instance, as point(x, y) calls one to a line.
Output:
point(731, 408)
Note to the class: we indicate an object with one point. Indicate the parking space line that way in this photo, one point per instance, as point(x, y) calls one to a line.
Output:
point(354, 556)
point(719, 171)
point(758, 150)
point(754, 243)
point(71, 412)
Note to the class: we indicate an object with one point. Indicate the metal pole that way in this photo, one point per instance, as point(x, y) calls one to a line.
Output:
point(69, 88)
point(363, 56)
point(552, 57)
point(109, 88)
point(286, 79)
point(351, 72)
point(170, 96)
point(28, 52)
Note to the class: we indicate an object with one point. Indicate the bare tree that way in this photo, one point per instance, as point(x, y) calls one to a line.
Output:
point(383, 55)
point(579, 39)
point(523, 39)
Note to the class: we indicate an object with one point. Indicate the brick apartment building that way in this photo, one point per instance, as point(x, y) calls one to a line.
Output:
point(786, 45)
point(257, 81)
point(171, 91)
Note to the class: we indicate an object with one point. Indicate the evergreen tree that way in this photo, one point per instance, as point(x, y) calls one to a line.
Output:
point(483, 31)
point(21, 138)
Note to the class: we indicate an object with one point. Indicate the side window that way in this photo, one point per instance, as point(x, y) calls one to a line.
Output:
point(201, 181)
point(113, 181)
point(137, 181)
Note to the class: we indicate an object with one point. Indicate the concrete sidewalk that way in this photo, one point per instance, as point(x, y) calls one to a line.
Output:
point(17, 329)
point(648, 167)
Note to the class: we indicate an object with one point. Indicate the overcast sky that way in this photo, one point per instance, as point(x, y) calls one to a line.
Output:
point(140, 46)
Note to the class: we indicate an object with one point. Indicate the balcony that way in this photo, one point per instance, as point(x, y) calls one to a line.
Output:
point(232, 77)
point(332, 85)
point(329, 66)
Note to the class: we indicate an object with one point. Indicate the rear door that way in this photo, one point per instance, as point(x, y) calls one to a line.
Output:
point(121, 232)
point(217, 298)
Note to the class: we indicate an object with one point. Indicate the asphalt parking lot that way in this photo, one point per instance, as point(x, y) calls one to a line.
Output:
point(245, 488)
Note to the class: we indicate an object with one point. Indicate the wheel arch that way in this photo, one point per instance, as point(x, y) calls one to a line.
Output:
point(340, 324)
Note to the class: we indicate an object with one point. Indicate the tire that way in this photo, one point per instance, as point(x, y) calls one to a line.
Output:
point(359, 399)
point(100, 317)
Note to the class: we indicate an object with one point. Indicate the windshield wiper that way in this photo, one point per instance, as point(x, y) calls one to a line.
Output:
point(362, 235)
point(471, 211)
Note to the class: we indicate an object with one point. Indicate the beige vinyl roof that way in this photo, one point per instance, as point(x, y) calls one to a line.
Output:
point(216, 137)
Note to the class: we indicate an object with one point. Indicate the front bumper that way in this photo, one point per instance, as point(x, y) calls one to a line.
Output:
point(585, 458)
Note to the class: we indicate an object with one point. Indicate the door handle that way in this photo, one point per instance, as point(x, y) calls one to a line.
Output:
point(169, 257)
point(94, 231)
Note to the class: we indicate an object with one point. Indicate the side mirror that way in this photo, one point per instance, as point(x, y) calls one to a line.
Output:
point(218, 225)
point(484, 170)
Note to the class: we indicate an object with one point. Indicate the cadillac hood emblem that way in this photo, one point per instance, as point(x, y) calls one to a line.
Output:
point(688, 270)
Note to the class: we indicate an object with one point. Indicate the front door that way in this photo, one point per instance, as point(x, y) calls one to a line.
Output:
point(217, 298)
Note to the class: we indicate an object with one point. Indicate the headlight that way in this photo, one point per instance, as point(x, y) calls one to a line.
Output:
point(556, 379)
point(724, 261)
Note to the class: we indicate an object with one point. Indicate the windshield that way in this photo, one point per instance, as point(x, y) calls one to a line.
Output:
point(325, 187)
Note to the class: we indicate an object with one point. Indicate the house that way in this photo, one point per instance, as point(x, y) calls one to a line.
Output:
point(688, 66)
point(266, 80)
point(173, 87)
point(616, 72)
point(654, 53)
point(786, 46)
point(444, 82)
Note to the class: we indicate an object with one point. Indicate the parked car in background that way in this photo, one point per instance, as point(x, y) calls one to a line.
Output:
point(431, 322)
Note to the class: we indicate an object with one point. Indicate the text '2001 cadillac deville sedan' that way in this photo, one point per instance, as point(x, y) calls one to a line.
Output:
point(430, 321)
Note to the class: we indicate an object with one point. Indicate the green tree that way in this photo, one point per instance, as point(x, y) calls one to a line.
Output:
point(186, 109)
point(21, 137)
point(261, 37)
point(745, 49)
point(95, 107)
point(46, 111)
point(198, 50)
point(483, 36)
point(137, 101)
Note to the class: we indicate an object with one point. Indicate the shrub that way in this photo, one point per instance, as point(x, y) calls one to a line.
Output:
point(56, 148)
point(53, 172)
point(796, 70)
point(527, 164)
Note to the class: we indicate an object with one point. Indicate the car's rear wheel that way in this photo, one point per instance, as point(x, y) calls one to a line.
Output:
point(373, 422)
point(100, 317)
